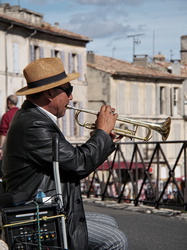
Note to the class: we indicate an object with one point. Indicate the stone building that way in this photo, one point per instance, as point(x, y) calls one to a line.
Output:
point(140, 93)
point(24, 37)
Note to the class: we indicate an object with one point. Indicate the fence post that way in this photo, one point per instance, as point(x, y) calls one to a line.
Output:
point(185, 178)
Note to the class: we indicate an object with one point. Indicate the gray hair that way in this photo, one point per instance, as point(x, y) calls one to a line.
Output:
point(13, 99)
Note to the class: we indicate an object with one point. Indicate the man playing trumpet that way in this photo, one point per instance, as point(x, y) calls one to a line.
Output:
point(28, 165)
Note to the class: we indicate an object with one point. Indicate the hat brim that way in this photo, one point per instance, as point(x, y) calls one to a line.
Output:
point(30, 91)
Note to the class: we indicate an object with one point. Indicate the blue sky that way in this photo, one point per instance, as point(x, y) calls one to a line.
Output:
point(154, 26)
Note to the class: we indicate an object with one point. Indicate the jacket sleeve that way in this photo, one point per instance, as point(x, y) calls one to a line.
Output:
point(79, 160)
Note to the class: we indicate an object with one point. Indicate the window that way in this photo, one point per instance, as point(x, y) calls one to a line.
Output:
point(55, 53)
point(75, 64)
point(175, 101)
point(59, 54)
point(36, 52)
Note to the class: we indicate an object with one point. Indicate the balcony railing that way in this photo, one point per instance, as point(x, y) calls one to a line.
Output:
point(151, 173)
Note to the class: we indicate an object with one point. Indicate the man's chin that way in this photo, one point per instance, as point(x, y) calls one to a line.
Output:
point(63, 114)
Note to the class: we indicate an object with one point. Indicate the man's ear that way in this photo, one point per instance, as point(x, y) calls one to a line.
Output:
point(49, 94)
point(8, 104)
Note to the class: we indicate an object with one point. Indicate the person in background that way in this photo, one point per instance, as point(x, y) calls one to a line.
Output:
point(6, 119)
point(28, 162)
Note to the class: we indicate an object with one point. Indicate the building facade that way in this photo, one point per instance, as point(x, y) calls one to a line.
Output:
point(24, 37)
point(142, 94)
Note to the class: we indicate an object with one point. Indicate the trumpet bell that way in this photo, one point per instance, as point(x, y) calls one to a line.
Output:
point(162, 128)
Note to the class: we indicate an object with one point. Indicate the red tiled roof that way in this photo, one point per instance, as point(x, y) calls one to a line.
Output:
point(45, 27)
point(119, 67)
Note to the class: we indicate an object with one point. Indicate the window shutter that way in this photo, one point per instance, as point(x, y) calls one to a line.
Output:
point(52, 53)
point(62, 56)
point(167, 111)
point(134, 101)
point(172, 101)
point(148, 102)
point(158, 100)
point(31, 53)
point(15, 58)
point(70, 63)
point(181, 102)
point(41, 52)
point(80, 67)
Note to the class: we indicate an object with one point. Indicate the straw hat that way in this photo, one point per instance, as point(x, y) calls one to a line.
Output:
point(44, 74)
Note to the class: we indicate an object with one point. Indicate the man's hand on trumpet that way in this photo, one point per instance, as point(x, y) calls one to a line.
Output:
point(106, 120)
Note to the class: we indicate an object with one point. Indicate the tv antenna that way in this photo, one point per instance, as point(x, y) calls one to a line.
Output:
point(113, 50)
point(135, 41)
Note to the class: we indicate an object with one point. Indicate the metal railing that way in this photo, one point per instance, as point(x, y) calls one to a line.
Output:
point(151, 173)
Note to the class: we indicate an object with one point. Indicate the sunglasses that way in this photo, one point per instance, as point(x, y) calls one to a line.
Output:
point(67, 90)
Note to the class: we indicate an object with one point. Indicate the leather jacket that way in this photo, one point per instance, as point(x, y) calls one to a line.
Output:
point(28, 164)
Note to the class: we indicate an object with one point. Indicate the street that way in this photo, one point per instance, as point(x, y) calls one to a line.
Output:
point(147, 231)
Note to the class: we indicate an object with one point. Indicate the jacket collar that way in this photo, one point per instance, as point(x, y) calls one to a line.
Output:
point(29, 105)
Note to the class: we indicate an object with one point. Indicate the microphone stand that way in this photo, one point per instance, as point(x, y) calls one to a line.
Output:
point(55, 144)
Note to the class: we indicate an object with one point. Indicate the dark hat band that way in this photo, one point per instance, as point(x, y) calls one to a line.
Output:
point(48, 80)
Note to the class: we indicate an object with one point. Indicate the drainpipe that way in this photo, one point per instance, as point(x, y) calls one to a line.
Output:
point(6, 60)
point(33, 33)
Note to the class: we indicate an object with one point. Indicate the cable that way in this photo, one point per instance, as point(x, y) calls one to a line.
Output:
point(50, 190)
point(38, 224)
point(30, 221)
point(32, 244)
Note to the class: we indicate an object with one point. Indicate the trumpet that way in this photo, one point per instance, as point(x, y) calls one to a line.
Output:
point(162, 128)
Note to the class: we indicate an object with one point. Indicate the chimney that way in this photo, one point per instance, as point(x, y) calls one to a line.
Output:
point(56, 24)
point(176, 67)
point(140, 60)
point(90, 57)
point(183, 50)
